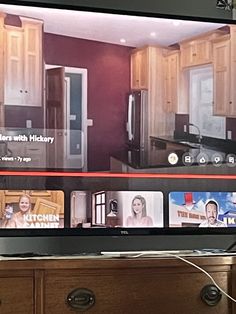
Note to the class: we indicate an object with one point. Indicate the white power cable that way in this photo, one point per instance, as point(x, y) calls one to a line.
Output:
point(190, 263)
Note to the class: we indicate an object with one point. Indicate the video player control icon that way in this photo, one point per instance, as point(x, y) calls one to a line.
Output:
point(231, 160)
point(217, 159)
point(173, 158)
point(187, 159)
point(202, 159)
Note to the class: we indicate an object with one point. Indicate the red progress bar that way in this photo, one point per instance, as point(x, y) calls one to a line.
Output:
point(118, 175)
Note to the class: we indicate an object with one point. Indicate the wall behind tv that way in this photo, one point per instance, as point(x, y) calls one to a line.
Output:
point(203, 8)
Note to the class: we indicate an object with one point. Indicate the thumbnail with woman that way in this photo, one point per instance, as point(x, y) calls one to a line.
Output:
point(139, 216)
point(18, 219)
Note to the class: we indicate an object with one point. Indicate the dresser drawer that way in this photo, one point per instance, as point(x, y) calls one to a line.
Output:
point(135, 291)
point(16, 295)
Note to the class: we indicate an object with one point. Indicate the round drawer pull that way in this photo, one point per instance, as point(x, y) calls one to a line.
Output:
point(210, 295)
point(81, 299)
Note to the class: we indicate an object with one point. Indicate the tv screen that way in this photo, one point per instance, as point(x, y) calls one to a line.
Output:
point(115, 123)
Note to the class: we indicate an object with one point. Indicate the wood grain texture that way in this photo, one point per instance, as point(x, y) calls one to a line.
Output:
point(141, 286)
point(16, 295)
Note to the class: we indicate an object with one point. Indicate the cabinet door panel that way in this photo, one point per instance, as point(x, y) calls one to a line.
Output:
point(203, 52)
point(143, 69)
point(135, 71)
point(139, 69)
point(171, 82)
point(14, 84)
point(33, 64)
point(186, 55)
point(16, 295)
point(221, 78)
point(140, 292)
point(23, 64)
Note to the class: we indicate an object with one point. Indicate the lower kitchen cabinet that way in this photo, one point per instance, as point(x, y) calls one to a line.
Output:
point(117, 286)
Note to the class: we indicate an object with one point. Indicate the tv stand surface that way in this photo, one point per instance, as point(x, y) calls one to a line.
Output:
point(114, 285)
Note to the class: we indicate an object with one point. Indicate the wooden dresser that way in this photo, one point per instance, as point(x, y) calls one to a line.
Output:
point(112, 286)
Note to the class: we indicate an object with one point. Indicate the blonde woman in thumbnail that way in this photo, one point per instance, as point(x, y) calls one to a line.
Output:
point(18, 219)
point(139, 216)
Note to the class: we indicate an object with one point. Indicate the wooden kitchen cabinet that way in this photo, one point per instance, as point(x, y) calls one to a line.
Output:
point(224, 74)
point(23, 64)
point(147, 73)
point(196, 52)
point(171, 81)
point(139, 69)
point(117, 286)
point(221, 77)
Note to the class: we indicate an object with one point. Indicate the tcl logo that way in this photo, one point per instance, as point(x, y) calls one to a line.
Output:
point(124, 232)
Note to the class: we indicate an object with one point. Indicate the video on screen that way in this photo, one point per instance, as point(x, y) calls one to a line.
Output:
point(36, 209)
point(79, 92)
point(202, 209)
point(111, 209)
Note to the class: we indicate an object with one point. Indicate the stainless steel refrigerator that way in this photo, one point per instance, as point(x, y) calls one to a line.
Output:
point(137, 121)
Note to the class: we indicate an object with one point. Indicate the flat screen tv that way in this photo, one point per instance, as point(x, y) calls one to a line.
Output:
point(115, 123)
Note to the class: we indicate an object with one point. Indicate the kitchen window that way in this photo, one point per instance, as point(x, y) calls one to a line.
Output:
point(99, 208)
point(201, 104)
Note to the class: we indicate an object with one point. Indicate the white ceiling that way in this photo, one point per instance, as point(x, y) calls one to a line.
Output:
point(111, 27)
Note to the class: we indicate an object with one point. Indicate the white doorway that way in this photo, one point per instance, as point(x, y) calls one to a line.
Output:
point(75, 117)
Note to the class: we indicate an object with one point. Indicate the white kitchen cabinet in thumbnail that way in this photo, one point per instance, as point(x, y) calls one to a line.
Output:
point(23, 63)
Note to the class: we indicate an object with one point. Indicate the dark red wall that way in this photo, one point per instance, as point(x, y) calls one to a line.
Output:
point(108, 85)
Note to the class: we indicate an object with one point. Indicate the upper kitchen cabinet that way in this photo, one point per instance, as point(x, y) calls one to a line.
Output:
point(221, 77)
point(147, 73)
point(139, 69)
point(224, 67)
point(171, 81)
point(23, 63)
point(198, 50)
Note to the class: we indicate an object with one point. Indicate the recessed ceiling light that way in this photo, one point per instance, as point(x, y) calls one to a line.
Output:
point(122, 40)
point(153, 34)
point(176, 23)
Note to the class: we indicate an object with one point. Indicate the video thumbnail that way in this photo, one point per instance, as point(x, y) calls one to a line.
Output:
point(107, 209)
point(202, 209)
point(31, 209)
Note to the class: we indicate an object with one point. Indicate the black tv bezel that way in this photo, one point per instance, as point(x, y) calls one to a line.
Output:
point(10, 175)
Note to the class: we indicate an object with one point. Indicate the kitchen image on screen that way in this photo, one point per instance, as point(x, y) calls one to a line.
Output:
point(116, 209)
point(202, 209)
point(181, 120)
point(31, 209)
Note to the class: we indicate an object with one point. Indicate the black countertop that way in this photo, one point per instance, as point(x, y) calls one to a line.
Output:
point(161, 147)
